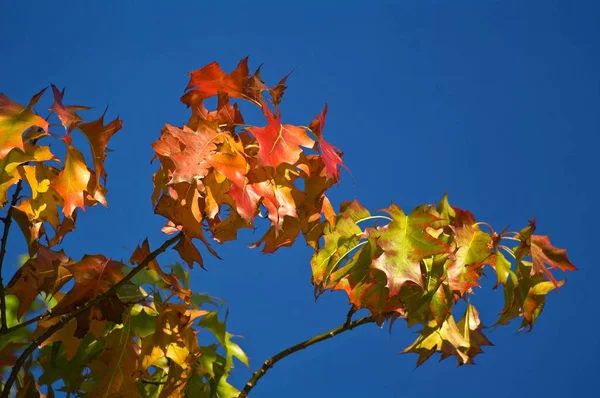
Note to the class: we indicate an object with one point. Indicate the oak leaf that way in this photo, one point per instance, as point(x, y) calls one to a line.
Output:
point(94, 275)
point(73, 179)
point(116, 366)
point(67, 114)
point(279, 143)
point(209, 80)
point(471, 248)
point(542, 252)
point(405, 243)
point(331, 154)
point(15, 120)
point(98, 135)
point(9, 165)
point(47, 272)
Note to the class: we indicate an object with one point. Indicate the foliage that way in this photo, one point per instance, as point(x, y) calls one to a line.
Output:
point(98, 326)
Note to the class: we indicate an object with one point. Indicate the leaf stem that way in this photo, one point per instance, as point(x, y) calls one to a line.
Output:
point(374, 218)
point(79, 310)
point(7, 221)
point(300, 346)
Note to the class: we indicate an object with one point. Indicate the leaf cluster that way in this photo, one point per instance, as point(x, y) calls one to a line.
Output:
point(97, 326)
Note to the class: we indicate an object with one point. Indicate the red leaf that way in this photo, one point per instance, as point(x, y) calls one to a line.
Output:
point(211, 79)
point(200, 152)
point(98, 135)
point(542, 252)
point(279, 143)
point(331, 154)
point(67, 114)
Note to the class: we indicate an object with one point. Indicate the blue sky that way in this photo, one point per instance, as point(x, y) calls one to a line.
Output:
point(495, 102)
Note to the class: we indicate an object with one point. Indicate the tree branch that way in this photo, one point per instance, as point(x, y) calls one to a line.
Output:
point(300, 346)
point(79, 310)
point(7, 220)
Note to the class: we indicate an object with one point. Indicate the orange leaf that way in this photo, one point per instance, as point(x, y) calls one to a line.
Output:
point(72, 180)
point(279, 143)
point(211, 79)
point(67, 114)
point(15, 120)
point(98, 135)
point(331, 154)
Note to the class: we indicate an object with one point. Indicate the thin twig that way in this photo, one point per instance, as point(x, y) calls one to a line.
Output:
point(154, 383)
point(7, 221)
point(79, 310)
point(288, 351)
point(349, 315)
point(45, 315)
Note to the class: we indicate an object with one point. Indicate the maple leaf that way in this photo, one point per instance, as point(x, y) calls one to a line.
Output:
point(67, 114)
point(209, 80)
point(72, 180)
point(15, 120)
point(405, 243)
point(279, 143)
point(331, 154)
point(98, 135)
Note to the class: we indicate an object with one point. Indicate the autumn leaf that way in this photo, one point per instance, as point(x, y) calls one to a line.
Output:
point(73, 179)
point(98, 135)
point(94, 275)
point(276, 194)
point(279, 143)
point(116, 366)
point(331, 154)
point(169, 280)
point(209, 80)
point(471, 248)
point(227, 116)
point(339, 239)
point(9, 165)
point(15, 120)
point(542, 253)
point(405, 243)
point(256, 86)
point(200, 152)
point(46, 272)
point(67, 114)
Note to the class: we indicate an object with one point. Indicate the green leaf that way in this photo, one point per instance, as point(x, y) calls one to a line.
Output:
point(405, 243)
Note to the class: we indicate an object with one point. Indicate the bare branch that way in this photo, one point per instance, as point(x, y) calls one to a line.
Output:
point(300, 346)
point(7, 221)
